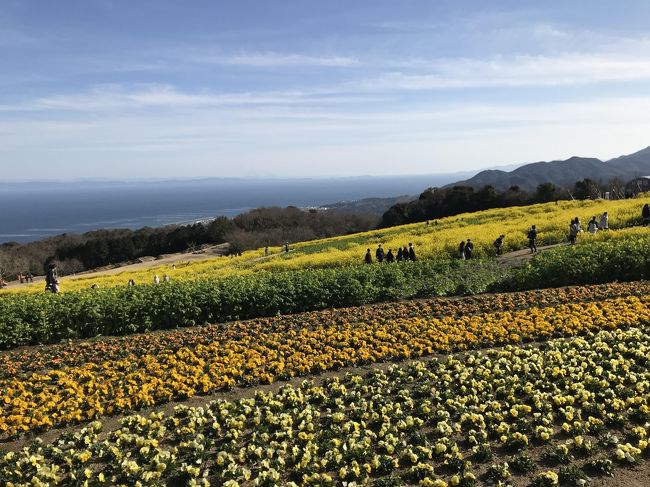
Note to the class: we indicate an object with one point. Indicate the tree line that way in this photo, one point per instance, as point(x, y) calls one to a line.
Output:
point(441, 202)
point(256, 228)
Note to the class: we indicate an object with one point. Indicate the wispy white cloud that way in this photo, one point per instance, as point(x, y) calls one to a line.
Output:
point(564, 69)
point(129, 98)
point(274, 59)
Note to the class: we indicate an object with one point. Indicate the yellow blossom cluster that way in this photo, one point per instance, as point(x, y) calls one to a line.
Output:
point(251, 354)
point(444, 422)
point(438, 240)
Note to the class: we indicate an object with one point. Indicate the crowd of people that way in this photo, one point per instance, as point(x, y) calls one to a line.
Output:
point(403, 255)
point(466, 247)
point(575, 227)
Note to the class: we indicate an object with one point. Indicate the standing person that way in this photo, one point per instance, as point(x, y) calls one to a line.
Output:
point(469, 249)
point(498, 243)
point(379, 254)
point(461, 250)
point(400, 254)
point(645, 214)
point(411, 252)
point(390, 257)
point(166, 278)
point(573, 232)
point(578, 225)
point(405, 254)
point(593, 226)
point(51, 278)
point(156, 279)
point(368, 258)
point(532, 238)
point(266, 250)
point(131, 283)
point(604, 221)
point(286, 247)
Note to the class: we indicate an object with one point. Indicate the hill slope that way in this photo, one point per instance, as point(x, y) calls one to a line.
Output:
point(563, 173)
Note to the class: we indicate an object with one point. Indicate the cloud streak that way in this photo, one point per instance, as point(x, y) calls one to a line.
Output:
point(272, 60)
point(507, 72)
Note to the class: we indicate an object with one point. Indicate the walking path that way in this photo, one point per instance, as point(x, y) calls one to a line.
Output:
point(146, 263)
point(523, 255)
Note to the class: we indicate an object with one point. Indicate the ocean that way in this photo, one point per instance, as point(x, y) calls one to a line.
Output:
point(32, 211)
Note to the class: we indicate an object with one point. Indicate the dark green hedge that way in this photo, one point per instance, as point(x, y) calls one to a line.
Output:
point(46, 318)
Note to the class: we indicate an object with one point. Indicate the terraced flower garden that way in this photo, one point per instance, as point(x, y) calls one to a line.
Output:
point(541, 387)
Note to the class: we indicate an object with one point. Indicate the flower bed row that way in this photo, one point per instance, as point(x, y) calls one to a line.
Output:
point(253, 354)
point(556, 413)
point(75, 353)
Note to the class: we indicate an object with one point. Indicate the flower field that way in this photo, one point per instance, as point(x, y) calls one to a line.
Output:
point(79, 352)
point(28, 318)
point(541, 415)
point(434, 242)
point(84, 382)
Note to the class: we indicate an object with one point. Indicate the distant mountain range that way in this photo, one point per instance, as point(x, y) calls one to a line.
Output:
point(563, 173)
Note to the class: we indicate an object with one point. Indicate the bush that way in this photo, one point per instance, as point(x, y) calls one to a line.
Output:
point(622, 259)
point(46, 318)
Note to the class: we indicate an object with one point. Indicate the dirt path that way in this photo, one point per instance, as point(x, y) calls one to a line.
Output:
point(146, 263)
point(523, 255)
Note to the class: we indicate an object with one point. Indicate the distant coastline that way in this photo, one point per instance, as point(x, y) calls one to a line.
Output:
point(36, 210)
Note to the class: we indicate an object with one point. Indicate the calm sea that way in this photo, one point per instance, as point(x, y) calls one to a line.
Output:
point(31, 211)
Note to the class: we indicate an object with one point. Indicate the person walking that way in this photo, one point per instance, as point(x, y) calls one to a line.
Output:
point(51, 278)
point(266, 250)
point(286, 247)
point(411, 253)
point(469, 249)
point(645, 215)
point(461, 250)
point(593, 226)
point(578, 225)
point(405, 254)
point(156, 279)
point(532, 239)
point(498, 244)
point(166, 278)
point(368, 258)
point(379, 254)
point(400, 254)
point(604, 221)
point(573, 232)
point(390, 258)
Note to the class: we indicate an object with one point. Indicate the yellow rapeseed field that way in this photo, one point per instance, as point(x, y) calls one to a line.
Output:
point(438, 240)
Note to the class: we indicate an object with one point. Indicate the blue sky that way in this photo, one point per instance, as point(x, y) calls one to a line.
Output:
point(126, 89)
